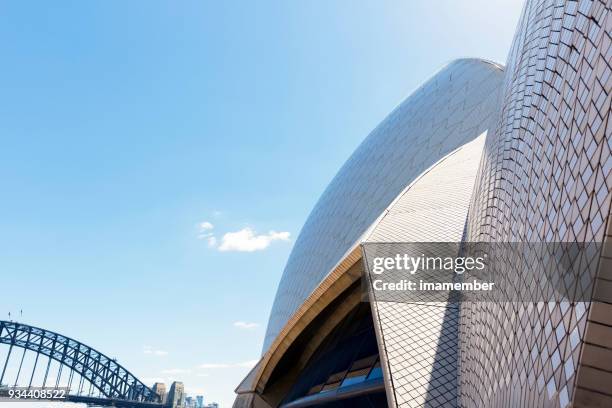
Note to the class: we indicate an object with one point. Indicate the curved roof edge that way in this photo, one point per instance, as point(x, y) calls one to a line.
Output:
point(334, 282)
point(453, 107)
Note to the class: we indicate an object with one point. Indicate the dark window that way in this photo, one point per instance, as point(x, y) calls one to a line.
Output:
point(346, 359)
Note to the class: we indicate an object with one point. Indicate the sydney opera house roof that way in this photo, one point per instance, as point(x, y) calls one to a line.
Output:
point(478, 153)
point(452, 108)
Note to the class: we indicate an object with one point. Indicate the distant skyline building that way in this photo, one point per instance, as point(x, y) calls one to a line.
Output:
point(479, 153)
point(160, 389)
point(176, 395)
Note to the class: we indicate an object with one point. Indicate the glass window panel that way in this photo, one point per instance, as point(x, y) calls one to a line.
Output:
point(334, 381)
point(364, 363)
point(315, 389)
point(337, 377)
point(376, 371)
point(355, 377)
point(331, 386)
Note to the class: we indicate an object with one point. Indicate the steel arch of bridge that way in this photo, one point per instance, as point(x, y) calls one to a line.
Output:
point(110, 378)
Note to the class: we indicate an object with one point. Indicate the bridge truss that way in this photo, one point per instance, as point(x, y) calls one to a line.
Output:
point(88, 373)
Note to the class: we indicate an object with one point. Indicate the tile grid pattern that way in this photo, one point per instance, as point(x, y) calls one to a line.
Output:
point(419, 340)
point(448, 111)
point(594, 375)
point(546, 176)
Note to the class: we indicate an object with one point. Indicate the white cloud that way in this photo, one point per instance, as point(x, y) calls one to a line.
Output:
point(249, 364)
point(246, 325)
point(246, 240)
point(206, 226)
point(204, 230)
point(175, 371)
point(153, 351)
point(215, 365)
point(212, 242)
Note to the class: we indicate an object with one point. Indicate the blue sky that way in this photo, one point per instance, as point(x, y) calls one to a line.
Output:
point(125, 125)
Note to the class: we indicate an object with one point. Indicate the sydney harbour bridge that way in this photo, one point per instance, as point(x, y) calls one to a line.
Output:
point(44, 360)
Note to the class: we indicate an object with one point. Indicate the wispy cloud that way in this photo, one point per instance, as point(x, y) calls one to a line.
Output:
point(246, 325)
point(154, 351)
point(205, 230)
point(215, 365)
point(175, 371)
point(246, 240)
point(206, 225)
point(248, 364)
